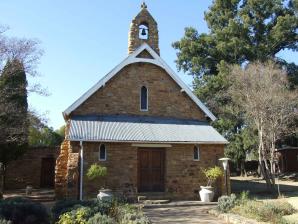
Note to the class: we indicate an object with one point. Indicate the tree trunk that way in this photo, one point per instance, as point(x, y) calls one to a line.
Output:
point(263, 162)
point(242, 168)
point(2, 179)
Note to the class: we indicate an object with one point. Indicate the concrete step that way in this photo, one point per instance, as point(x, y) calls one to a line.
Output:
point(154, 202)
point(153, 198)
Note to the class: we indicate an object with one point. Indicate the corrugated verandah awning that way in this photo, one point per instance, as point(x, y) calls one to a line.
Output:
point(142, 129)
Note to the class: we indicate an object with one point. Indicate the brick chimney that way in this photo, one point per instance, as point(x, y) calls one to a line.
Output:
point(143, 28)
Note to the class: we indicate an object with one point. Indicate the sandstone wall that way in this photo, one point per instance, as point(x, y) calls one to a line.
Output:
point(27, 169)
point(67, 171)
point(121, 95)
point(183, 176)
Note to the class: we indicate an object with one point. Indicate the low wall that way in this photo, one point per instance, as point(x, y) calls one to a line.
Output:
point(36, 167)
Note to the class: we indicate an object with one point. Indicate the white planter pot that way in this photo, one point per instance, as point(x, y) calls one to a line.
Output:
point(206, 194)
point(105, 195)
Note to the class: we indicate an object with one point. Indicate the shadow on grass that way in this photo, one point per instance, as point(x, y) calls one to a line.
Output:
point(259, 190)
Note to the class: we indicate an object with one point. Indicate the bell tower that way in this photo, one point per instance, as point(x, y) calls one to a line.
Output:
point(143, 28)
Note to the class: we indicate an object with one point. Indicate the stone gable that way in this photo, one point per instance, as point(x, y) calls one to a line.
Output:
point(121, 95)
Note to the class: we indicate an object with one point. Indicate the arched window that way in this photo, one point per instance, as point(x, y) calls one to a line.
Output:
point(143, 31)
point(196, 153)
point(144, 98)
point(102, 155)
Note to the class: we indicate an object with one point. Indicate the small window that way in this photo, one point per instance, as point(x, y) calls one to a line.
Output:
point(196, 153)
point(102, 152)
point(144, 98)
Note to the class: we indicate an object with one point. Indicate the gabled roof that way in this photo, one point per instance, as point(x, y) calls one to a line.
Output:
point(132, 58)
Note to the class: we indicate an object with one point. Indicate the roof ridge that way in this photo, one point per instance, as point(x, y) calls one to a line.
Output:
point(132, 58)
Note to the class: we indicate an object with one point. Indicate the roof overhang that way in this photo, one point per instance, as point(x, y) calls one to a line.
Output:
point(132, 58)
point(137, 130)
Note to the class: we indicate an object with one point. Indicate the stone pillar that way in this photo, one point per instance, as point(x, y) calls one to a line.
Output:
point(61, 171)
point(73, 175)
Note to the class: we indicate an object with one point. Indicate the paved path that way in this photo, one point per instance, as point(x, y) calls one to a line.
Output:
point(185, 215)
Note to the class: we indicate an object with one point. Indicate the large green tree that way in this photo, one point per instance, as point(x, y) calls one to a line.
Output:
point(240, 32)
point(13, 113)
point(40, 134)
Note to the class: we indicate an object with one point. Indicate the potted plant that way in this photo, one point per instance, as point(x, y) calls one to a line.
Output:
point(95, 172)
point(207, 192)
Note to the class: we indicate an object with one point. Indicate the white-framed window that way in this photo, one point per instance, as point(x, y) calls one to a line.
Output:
point(102, 153)
point(196, 153)
point(144, 98)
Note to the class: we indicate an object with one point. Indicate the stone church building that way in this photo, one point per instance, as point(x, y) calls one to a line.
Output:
point(142, 123)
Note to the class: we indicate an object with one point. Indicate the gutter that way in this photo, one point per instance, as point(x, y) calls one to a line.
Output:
point(81, 169)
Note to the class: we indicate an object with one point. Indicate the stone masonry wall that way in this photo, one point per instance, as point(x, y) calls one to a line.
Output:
point(143, 18)
point(27, 169)
point(183, 176)
point(67, 171)
point(121, 95)
point(121, 164)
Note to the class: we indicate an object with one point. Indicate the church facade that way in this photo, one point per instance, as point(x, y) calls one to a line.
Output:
point(142, 123)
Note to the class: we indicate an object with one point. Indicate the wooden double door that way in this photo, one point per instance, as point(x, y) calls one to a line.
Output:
point(151, 169)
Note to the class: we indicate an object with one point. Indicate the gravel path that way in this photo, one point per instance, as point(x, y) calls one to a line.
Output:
point(185, 215)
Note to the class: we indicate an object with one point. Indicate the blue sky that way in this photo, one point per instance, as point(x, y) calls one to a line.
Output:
point(84, 40)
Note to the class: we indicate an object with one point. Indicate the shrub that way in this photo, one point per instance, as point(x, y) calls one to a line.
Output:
point(76, 216)
point(96, 171)
point(275, 209)
point(128, 214)
point(226, 203)
point(102, 219)
point(23, 211)
point(212, 174)
point(4, 221)
point(108, 212)
point(266, 212)
point(64, 206)
point(134, 218)
point(243, 197)
point(82, 212)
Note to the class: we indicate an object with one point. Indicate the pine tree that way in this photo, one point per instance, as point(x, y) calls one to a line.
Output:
point(13, 113)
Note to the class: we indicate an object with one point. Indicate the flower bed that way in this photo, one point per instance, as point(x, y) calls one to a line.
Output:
point(105, 212)
point(272, 211)
point(24, 211)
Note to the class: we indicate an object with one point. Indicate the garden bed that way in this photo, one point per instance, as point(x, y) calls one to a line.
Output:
point(277, 211)
point(24, 211)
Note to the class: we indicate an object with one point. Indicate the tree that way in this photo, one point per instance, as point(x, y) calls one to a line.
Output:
point(26, 51)
point(13, 113)
point(262, 90)
point(18, 58)
point(42, 135)
point(242, 144)
point(241, 32)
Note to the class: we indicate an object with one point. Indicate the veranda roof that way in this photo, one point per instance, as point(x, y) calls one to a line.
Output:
point(142, 129)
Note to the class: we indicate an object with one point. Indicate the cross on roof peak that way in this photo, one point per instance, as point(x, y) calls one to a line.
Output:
point(144, 6)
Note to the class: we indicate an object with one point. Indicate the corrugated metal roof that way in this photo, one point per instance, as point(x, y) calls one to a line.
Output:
point(142, 129)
